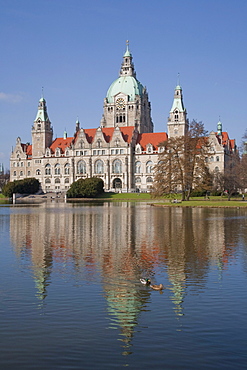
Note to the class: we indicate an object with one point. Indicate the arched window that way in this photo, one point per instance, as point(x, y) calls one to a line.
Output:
point(117, 166)
point(57, 169)
point(99, 167)
point(47, 181)
point(138, 167)
point(48, 169)
point(66, 169)
point(99, 143)
point(217, 158)
point(138, 180)
point(216, 169)
point(66, 181)
point(14, 164)
point(81, 167)
point(28, 173)
point(57, 180)
point(21, 173)
point(81, 144)
point(14, 173)
point(38, 172)
point(149, 167)
point(149, 179)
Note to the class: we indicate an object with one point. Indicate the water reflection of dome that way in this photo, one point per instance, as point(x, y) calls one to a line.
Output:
point(125, 302)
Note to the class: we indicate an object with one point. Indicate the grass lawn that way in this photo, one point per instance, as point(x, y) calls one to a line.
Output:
point(214, 201)
point(125, 196)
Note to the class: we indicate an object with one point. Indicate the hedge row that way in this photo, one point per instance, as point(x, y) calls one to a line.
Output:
point(86, 188)
point(25, 186)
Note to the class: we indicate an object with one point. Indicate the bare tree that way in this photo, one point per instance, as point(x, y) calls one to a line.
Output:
point(4, 178)
point(182, 163)
point(232, 175)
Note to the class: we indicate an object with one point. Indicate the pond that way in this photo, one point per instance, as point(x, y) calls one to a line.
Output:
point(71, 297)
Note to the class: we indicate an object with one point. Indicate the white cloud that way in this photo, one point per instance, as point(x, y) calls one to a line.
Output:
point(11, 98)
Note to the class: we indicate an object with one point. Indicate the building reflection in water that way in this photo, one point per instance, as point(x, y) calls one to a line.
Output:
point(122, 242)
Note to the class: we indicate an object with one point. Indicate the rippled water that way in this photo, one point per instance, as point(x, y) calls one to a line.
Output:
point(70, 295)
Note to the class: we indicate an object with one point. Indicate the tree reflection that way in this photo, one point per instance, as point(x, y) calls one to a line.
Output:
point(122, 242)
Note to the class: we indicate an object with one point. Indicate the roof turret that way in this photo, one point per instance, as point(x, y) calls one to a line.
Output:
point(219, 128)
point(126, 83)
point(178, 100)
point(42, 114)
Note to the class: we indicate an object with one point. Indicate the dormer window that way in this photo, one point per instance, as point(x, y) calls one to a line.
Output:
point(138, 149)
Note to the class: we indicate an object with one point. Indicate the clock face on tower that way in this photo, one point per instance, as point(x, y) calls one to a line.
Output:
point(120, 103)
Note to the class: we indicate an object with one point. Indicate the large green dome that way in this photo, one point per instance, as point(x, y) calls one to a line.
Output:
point(128, 85)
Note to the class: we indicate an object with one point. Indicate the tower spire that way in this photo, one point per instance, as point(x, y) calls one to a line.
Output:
point(219, 127)
point(177, 121)
point(127, 66)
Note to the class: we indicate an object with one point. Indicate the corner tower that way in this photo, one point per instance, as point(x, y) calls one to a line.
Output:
point(126, 102)
point(177, 124)
point(42, 132)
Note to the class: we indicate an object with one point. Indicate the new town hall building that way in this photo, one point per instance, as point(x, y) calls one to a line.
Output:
point(122, 151)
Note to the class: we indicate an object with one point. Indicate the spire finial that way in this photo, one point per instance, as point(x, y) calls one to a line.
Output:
point(42, 92)
point(178, 79)
point(127, 44)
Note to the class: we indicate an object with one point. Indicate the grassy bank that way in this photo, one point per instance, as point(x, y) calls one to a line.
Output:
point(214, 201)
point(205, 203)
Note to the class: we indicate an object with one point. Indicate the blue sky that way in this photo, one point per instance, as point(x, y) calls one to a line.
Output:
point(74, 48)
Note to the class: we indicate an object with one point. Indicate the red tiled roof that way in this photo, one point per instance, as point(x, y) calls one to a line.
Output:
point(232, 144)
point(61, 143)
point(29, 150)
point(152, 138)
point(127, 133)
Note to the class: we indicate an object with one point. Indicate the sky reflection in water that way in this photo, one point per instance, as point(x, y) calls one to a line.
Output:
point(71, 292)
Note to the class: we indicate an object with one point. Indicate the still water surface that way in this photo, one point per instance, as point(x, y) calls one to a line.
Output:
point(70, 295)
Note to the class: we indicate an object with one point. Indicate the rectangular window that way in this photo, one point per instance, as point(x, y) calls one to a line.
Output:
point(121, 151)
point(113, 151)
point(117, 151)
point(94, 152)
point(103, 152)
point(85, 152)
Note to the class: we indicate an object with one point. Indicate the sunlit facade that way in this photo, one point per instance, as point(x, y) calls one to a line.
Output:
point(122, 151)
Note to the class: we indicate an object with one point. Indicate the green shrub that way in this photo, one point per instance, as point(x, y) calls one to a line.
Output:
point(25, 186)
point(86, 188)
point(198, 193)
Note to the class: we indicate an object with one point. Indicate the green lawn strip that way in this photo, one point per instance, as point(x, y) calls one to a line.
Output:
point(125, 196)
point(205, 203)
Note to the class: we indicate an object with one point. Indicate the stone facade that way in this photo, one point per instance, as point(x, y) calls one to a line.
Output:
point(122, 151)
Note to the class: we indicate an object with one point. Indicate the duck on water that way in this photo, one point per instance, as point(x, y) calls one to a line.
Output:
point(153, 286)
